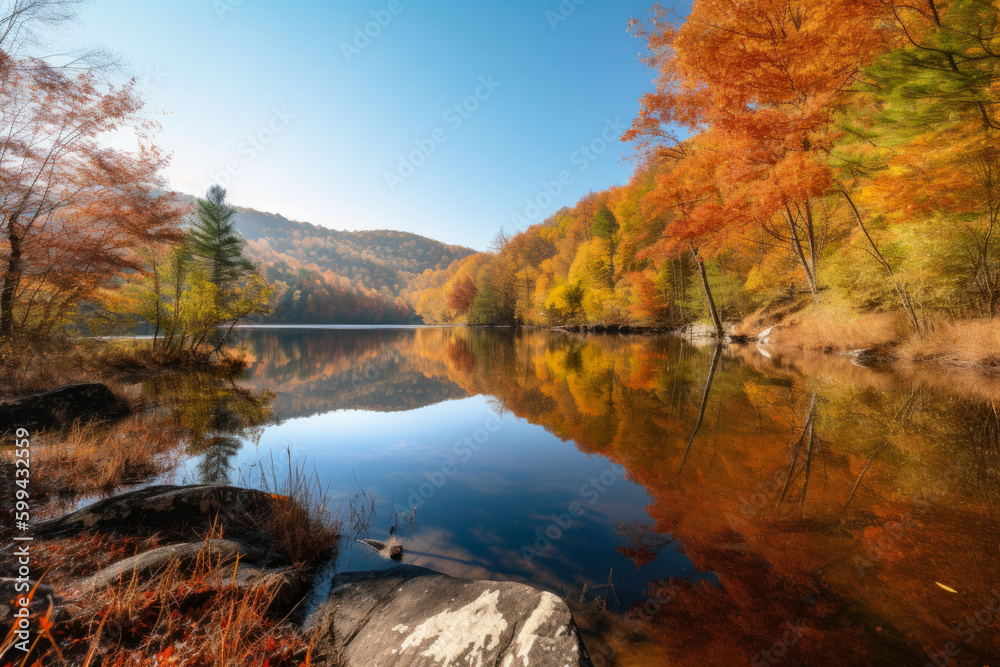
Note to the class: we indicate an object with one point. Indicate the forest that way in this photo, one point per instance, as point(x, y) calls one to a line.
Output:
point(834, 159)
point(830, 167)
point(322, 275)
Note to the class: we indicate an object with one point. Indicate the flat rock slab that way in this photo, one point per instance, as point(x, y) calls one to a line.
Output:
point(410, 616)
point(62, 406)
point(177, 510)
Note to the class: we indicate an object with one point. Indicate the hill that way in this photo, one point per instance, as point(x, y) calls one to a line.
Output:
point(328, 276)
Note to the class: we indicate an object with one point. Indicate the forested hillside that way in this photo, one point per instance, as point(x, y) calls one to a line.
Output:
point(322, 275)
point(837, 159)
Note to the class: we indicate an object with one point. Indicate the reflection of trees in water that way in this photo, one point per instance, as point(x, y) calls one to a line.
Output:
point(786, 477)
point(217, 453)
point(644, 543)
point(319, 370)
point(218, 417)
point(981, 426)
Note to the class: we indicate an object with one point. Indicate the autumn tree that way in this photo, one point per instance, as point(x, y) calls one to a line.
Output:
point(606, 228)
point(72, 210)
point(925, 146)
point(462, 295)
point(767, 75)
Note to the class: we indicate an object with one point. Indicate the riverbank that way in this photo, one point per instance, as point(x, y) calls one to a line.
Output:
point(198, 575)
point(28, 367)
point(876, 337)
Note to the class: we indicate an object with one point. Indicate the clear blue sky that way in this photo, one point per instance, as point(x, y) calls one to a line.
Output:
point(227, 70)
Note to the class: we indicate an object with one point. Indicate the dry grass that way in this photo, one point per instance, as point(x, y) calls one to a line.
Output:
point(777, 312)
point(969, 343)
point(97, 459)
point(190, 613)
point(130, 356)
point(832, 327)
point(187, 615)
point(301, 525)
point(827, 325)
point(835, 331)
point(28, 367)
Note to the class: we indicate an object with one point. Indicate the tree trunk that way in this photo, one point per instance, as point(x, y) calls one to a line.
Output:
point(797, 245)
point(901, 292)
point(719, 330)
point(11, 279)
point(704, 404)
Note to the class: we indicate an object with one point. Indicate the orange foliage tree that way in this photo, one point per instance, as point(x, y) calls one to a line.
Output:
point(71, 209)
point(767, 76)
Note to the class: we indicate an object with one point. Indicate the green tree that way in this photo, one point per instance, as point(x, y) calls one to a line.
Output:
point(606, 228)
point(214, 241)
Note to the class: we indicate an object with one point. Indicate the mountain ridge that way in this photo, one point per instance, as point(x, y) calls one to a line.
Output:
point(329, 276)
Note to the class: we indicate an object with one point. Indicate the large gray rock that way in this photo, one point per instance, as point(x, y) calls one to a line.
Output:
point(62, 406)
point(409, 616)
point(175, 510)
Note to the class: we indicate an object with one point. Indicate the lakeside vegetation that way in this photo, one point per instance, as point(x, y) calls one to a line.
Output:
point(841, 151)
point(827, 168)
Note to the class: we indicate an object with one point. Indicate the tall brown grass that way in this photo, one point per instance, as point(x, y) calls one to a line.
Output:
point(834, 331)
point(28, 367)
point(92, 459)
point(301, 524)
point(190, 613)
point(832, 326)
point(968, 343)
point(132, 356)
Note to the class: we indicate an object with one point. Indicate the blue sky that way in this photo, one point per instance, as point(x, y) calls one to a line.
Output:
point(265, 98)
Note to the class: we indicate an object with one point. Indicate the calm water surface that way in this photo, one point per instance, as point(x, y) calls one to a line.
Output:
point(693, 505)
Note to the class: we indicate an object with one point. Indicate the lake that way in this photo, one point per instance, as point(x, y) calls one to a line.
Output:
point(692, 504)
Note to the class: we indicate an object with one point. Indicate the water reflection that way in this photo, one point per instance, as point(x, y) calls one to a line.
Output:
point(217, 417)
point(695, 505)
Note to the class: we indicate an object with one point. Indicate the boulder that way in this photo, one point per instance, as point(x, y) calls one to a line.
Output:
point(764, 337)
point(174, 510)
point(414, 617)
point(61, 407)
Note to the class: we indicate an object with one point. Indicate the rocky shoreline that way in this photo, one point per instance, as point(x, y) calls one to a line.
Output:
point(207, 540)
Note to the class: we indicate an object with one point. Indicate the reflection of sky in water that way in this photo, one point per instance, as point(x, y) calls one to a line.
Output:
point(480, 508)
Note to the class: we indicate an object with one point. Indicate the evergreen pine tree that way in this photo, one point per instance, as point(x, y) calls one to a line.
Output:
point(214, 240)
